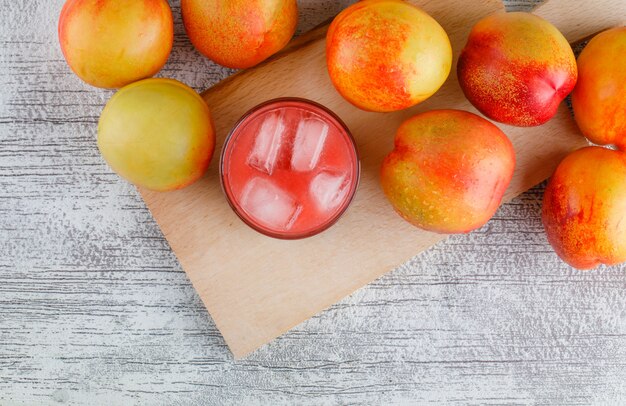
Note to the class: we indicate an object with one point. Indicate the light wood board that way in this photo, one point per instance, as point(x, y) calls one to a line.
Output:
point(255, 287)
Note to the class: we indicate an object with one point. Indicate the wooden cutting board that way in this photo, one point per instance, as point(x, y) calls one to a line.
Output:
point(256, 287)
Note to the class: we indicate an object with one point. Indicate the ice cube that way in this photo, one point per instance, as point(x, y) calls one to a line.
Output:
point(269, 205)
point(329, 189)
point(267, 144)
point(308, 144)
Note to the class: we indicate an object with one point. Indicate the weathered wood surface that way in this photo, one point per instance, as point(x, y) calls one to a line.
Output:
point(94, 308)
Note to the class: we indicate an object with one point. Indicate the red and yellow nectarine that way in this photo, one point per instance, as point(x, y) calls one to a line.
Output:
point(448, 171)
point(387, 55)
point(516, 68)
point(239, 33)
point(584, 208)
point(599, 98)
point(111, 43)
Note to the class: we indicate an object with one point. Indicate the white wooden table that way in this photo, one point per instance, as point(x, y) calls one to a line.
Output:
point(95, 310)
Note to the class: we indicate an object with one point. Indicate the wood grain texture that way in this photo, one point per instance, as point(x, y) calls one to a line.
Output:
point(95, 310)
point(269, 286)
point(579, 20)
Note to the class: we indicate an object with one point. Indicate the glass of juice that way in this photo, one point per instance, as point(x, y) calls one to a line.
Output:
point(289, 168)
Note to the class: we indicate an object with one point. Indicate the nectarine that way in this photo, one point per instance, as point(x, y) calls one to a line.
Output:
point(599, 98)
point(111, 43)
point(584, 208)
point(239, 33)
point(516, 68)
point(448, 171)
point(387, 55)
point(157, 133)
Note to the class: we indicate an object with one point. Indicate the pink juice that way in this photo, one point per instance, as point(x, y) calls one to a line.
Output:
point(289, 168)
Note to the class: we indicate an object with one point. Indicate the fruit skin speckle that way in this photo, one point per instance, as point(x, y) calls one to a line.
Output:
point(387, 55)
point(599, 98)
point(516, 68)
point(584, 208)
point(448, 171)
point(239, 33)
point(112, 43)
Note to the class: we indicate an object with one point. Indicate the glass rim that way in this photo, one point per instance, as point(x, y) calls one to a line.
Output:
point(325, 225)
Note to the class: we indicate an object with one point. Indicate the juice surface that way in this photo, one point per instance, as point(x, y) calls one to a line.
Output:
point(289, 169)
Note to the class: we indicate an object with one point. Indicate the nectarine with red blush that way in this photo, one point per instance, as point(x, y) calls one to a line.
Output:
point(516, 68)
point(599, 98)
point(387, 55)
point(239, 33)
point(584, 208)
point(111, 43)
point(448, 171)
